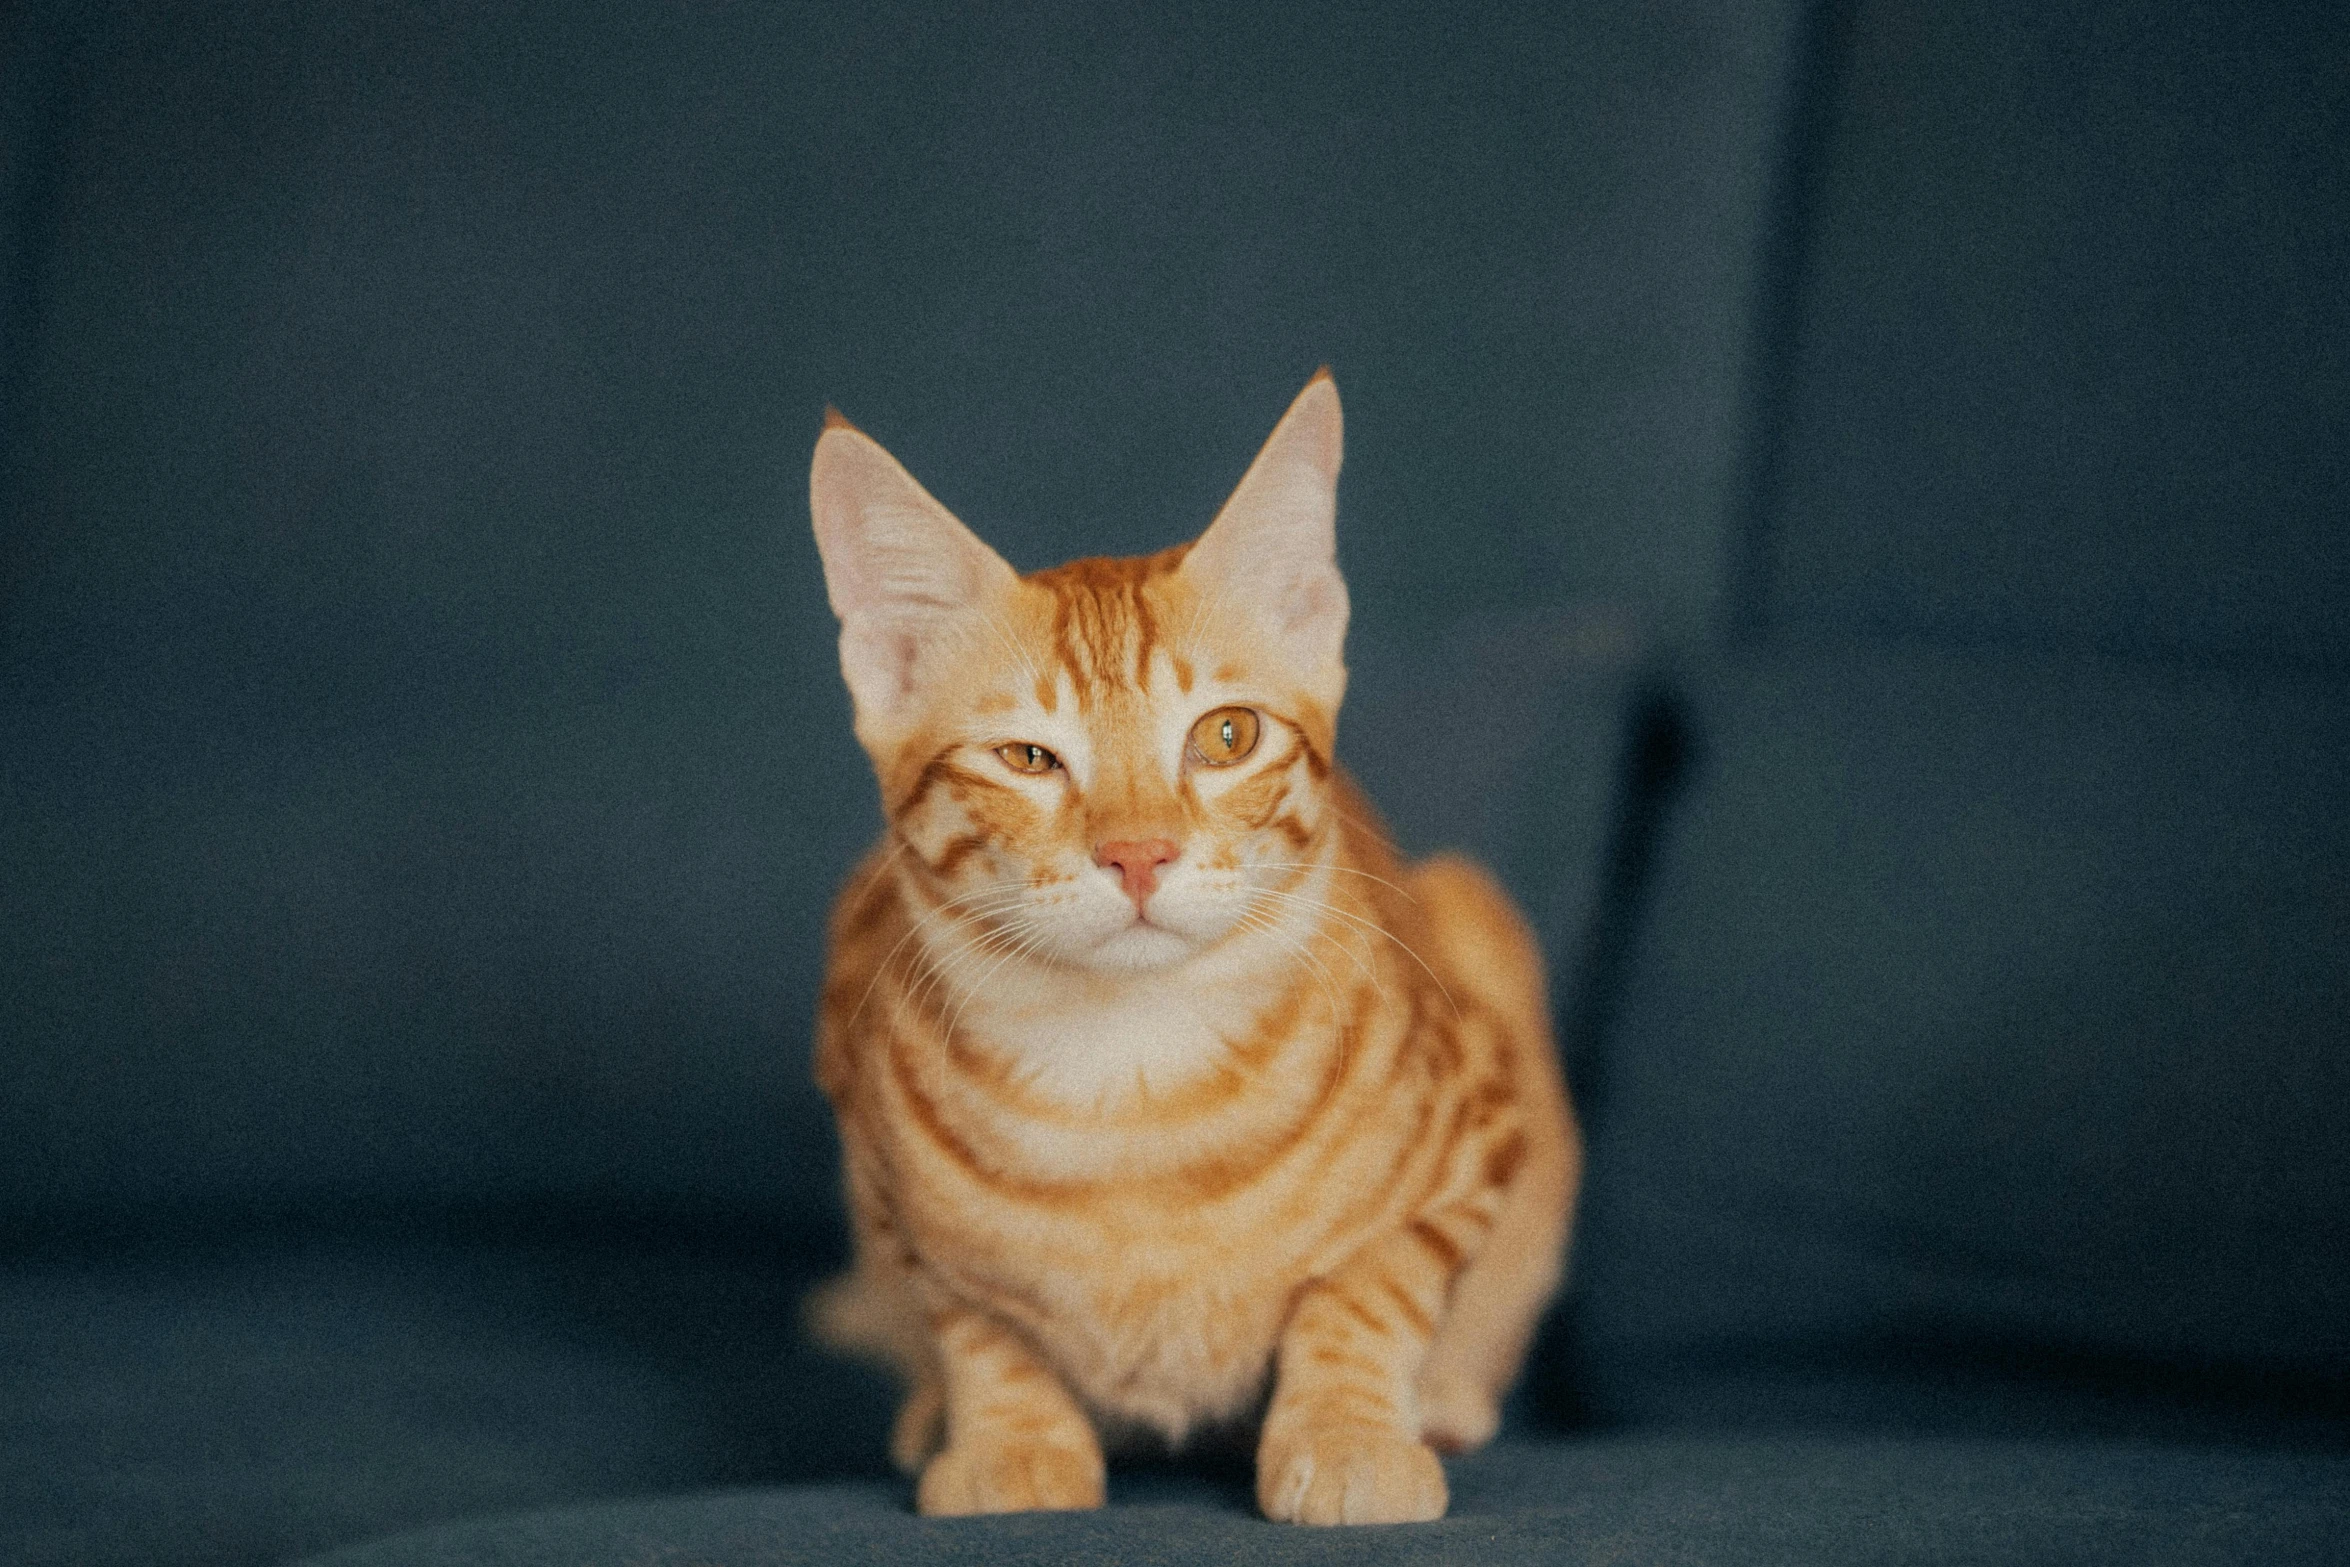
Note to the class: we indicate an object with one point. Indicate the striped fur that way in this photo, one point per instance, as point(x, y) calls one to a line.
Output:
point(1283, 1140)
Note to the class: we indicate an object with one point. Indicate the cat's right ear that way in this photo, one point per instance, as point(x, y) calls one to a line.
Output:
point(903, 574)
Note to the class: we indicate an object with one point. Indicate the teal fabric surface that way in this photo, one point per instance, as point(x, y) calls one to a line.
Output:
point(237, 1407)
point(1987, 1004)
point(2065, 367)
point(1665, 1502)
point(234, 1406)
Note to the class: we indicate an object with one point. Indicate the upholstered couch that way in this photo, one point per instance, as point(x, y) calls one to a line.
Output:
point(1845, 508)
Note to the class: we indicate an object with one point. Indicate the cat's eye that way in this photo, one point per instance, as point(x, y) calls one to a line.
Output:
point(1225, 736)
point(1021, 757)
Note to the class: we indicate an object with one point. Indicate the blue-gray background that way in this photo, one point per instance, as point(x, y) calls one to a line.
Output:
point(1846, 507)
point(423, 766)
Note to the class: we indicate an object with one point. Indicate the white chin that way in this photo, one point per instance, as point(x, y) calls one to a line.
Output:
point(1140, 947)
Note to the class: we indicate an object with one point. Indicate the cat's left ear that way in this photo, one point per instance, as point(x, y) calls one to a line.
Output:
point(903, 573)
point(1272, 552)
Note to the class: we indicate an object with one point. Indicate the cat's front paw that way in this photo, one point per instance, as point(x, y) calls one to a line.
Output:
point(1009, 1477)
point(1348, 1474)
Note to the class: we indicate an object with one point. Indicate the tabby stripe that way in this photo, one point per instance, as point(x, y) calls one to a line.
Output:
point(1272, 1029)
point(1202, 1180)
point(1447, 1254)
point(1358, 1403)
point(1456, 1127)
point(1339, 1355)
point(874, 903)
point(1369, 1198)
point(1146, 632)
point(994, 1075)
point(933, 1125)
point(1410, 1309)
point(1263, 818)
point(1445, 1045)
point(957, 850)
point(939, 768)
point(1502, 1161)
point(1214, 1179)
point(924, 782)
point(1344, 1300)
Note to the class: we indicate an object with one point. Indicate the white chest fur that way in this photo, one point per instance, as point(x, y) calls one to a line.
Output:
point(1102, 1042)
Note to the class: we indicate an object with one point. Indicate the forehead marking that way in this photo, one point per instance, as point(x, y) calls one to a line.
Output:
point(1104, 620)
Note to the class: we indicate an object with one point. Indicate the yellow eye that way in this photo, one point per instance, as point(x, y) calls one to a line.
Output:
point(1225, 736)
point(1021, 757)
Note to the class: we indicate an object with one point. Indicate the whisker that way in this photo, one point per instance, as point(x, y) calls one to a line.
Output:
point(1344, 1034)
point(980, 943)
point(1352, 956)
point(1036, 939)
point(1375, 927)
point(1343, 870)
point(882, 967)
point(984, 940)
point(1202, 608)
point(1199, 606)
point(1253, 920)
point(1004, 635)
point(964, 632)
point(983, 936)
point(964, 629)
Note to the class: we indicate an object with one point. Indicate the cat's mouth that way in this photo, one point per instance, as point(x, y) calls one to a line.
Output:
point(1142, 943)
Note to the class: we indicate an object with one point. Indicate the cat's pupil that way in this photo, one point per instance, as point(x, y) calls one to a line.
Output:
point(1225, 734)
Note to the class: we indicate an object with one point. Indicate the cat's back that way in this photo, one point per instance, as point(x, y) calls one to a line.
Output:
point(1452, 918)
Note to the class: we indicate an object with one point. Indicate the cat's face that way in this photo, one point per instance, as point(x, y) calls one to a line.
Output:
point(1115, 764)
point(1098, 776)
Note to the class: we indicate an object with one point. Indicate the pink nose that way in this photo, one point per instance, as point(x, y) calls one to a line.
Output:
point(1137, 861)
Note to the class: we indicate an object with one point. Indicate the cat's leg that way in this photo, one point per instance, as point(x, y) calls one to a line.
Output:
point(870, 1312)
point(1499, 1297)
point(873, 1311)
point(1487, 950)
point(1341, 1441)
point(921, 1423)
point(1015, 1439)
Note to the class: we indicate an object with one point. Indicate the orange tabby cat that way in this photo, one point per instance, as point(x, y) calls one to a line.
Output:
point(1162, 1081)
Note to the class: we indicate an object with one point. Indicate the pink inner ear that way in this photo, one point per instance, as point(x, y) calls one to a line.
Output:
point(878, 661)
point(1308, 599)
point(903, 649)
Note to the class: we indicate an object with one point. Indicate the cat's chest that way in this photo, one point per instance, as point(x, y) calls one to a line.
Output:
point(1148, 1178)
point(1143, 1189)
point(1071, 1060)
point(1063, 1121)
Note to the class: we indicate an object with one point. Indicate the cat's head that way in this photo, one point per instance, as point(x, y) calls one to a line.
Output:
point(1115, 763)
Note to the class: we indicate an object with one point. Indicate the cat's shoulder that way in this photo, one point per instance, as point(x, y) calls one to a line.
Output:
point(868, 919)
point(868, 898)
